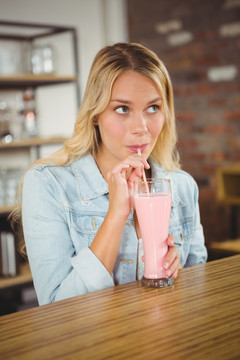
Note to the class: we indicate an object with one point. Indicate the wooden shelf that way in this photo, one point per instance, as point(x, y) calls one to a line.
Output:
point(24, 277)
point(6, 209)
point(26, 143)
point(23, 80)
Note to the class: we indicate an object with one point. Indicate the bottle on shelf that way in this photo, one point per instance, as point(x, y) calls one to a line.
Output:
point(6, 135)
point(27, 115)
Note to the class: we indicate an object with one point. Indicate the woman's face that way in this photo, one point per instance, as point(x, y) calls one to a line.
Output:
point(133, 119)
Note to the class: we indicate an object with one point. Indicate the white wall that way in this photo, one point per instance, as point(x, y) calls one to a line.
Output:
point(98, 23)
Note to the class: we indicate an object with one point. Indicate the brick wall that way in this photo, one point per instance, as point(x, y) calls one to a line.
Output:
point(199, 42)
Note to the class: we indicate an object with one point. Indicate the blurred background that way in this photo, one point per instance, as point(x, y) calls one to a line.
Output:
point(46, 50)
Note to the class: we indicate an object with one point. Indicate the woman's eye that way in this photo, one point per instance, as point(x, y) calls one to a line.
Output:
point(122, 109)
point(153, 108)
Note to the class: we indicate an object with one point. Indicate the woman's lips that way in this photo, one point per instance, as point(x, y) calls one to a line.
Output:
point(135, 148)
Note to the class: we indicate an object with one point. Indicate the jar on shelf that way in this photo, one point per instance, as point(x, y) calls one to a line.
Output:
point(10, 58)
point(12, 177)
point(42, 59)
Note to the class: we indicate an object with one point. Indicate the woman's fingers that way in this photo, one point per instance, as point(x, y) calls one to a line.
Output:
point(118, 170)
point(131, 167)
point(170, 240)
point(172, 262)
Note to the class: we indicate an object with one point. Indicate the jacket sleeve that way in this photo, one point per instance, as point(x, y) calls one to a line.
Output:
point(58, 271)
point(197, 252)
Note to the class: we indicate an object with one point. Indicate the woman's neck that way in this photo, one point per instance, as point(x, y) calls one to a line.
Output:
point(102, 164)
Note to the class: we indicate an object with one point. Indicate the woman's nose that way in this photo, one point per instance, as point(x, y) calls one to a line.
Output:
point(138, 124)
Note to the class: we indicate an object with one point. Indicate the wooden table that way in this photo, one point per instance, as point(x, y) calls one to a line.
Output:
point(197, 318)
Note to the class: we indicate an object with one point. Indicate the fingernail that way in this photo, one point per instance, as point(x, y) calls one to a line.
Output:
point(175, 274)
point(169, 273)
point(166, 265)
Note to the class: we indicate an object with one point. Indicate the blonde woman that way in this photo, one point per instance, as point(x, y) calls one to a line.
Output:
point(80, 231)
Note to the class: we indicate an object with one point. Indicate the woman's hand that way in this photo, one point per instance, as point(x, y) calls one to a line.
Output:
point(120, 180)
point(172, 260)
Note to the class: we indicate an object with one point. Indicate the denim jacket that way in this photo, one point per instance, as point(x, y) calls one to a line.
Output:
point(62, 210)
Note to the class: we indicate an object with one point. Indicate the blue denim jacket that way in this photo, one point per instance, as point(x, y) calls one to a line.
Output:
point(63, 208)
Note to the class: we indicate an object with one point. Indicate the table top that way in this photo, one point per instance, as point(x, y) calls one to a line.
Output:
point(196, 318)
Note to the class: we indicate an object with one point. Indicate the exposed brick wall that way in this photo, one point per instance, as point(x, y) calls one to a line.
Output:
point(199, 42)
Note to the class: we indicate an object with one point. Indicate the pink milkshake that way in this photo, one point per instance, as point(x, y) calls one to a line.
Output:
point(153, 213)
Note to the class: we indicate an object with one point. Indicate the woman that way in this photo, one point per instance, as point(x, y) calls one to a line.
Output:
point(80, 231)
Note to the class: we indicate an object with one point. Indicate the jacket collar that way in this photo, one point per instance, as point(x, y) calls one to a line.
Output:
point(90, 182)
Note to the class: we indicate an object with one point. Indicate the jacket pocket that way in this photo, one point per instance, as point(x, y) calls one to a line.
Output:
point(88, 224)
point(85, 226)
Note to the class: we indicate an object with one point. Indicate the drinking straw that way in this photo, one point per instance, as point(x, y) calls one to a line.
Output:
point(144, 175)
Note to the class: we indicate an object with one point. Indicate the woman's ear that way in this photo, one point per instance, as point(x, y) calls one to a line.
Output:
point(95, 121)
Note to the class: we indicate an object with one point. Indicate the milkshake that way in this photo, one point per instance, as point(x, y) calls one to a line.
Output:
point(152, 202)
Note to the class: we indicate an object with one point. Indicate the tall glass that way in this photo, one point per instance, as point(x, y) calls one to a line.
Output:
point(152, 200)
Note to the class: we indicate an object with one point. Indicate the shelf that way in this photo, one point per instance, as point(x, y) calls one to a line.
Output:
point(24, 277)
point(26, 143)
point(21, 31)
point(24, 80)
point(6, 209)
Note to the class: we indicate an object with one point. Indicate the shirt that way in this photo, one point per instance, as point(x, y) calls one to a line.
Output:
point(62, 210)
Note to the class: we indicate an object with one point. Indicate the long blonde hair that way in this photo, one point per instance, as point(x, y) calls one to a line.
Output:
point(109, 63)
